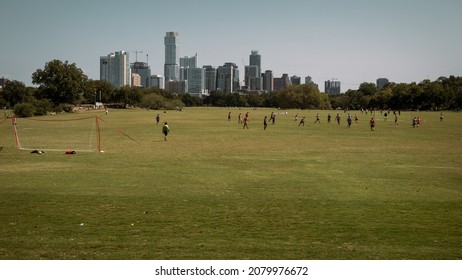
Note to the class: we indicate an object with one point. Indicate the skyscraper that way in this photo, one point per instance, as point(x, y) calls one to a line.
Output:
point(253, 79)
point(295, 80)
point(171, 66)
point(381, 83)
point(281, 83)
point(255, 59)
point(332, 87)
point(228, 77)
point(115, 69)
point(210, 78)
point(142, 69)
point(157, 81)
point(186, 63)
point(268, 83)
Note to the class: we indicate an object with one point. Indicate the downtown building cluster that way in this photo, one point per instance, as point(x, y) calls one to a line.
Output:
point(184, 75)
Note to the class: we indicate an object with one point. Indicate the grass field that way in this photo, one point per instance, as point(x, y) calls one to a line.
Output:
point(217, 191)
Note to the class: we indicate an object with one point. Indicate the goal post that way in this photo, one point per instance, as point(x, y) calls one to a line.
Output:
point(52, 134)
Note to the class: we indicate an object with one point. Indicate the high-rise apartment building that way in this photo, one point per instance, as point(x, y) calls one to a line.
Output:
point(210, 78)
point(186, 63)
point(228, 77)
point(332, 87)
point(309, 81)
point(192, 76)
point(157, 81)
point(142, 69)
point(171, 66)
point(295, 80)
point(252, 76)
point(268, 81)
point(115, 69)
point(381, 83)
point(255, 59)
point(281, 83)
point(196, 81)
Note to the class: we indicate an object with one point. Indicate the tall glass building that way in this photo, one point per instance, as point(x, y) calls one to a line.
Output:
point(171, 66)
point(115, 69)
point(332, 87)
point(253, 79)
point(228, 78)
point(142, 69)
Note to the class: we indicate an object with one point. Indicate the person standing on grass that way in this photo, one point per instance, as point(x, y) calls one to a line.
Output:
point(265, 124)
point(337, 118)
point(157, 118)
point(246, 121)
point(165, 130)
point(396, 119)
point(273, 118)
point(239, 119)
point(328, 118)
point(441, 116)
point(302, 122)
point(229, 116)
point(372, 124)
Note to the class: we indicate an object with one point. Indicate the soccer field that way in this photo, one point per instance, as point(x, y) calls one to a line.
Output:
point(214, 190)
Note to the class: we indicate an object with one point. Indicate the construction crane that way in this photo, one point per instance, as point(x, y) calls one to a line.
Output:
point(136, 54)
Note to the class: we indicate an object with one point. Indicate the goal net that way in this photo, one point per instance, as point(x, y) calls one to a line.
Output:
point(53, 134)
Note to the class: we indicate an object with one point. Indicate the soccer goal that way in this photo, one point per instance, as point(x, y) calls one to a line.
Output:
point(53, 134)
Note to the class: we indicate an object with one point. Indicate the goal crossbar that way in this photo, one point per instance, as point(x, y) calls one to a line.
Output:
point(79, 134)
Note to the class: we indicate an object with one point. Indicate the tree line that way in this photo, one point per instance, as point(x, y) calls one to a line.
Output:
point(62, 85)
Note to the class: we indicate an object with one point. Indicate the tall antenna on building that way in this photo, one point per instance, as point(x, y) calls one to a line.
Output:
point(147, 60)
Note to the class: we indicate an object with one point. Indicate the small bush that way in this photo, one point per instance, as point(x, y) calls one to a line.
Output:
point(42, 107)
point(24, 110)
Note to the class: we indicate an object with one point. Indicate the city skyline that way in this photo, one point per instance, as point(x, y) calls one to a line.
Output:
point(350, 41)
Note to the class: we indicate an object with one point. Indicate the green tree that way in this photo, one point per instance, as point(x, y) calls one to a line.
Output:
point(367, 89)
point(355, 98)
point(24, 110)
point(381, 99)
point(98, 91)
point(15, 92)
point(303, 97)
point(60, 82)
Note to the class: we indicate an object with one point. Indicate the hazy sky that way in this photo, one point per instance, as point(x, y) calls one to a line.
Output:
point(353, 41)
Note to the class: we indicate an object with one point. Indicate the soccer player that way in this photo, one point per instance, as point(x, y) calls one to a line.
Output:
point(246, 121)
point(302, 122)
point(372, 124)
point(229, 116)
point(157, 118)
point(349, 120)
point(337, 118)
point(265, 124)
point(165, 130)
point(317, 119)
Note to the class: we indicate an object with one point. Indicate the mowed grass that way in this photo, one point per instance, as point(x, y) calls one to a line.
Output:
point(217, 191)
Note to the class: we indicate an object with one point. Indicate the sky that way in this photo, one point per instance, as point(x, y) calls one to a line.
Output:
point(353, 41)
